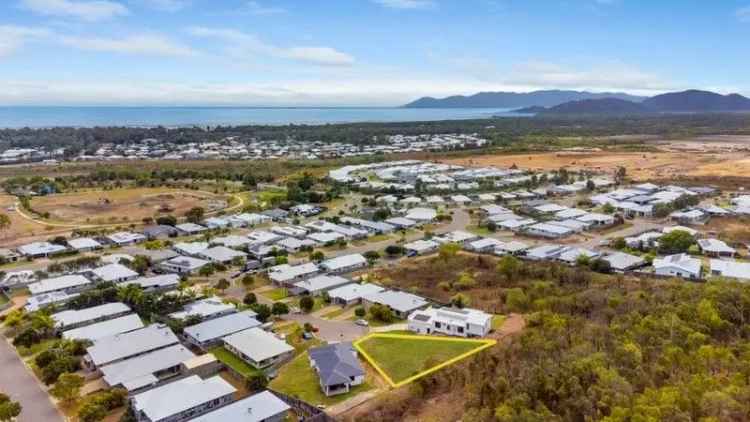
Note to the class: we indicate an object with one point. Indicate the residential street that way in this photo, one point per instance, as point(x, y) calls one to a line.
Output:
point(20, 385)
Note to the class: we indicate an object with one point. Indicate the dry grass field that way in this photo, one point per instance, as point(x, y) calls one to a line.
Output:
point(21, 230)
point(124, 205)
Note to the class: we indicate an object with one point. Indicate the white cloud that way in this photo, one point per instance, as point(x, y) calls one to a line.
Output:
point(167, 5)
point(743, 14)
point(243, 46)
point(152, 45)
point(13, 37)
point(406, 4)
point(256, 8)
point(92, 10)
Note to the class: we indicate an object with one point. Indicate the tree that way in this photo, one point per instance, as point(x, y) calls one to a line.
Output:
point(676, 241)
point(207, 270)
point(256, 381)
point(317, 256)
point(508, 267)
point(460, 301)
point(491, 226)
point(250, 299)
point(4, 222)
point(140, 264)
point(306, 304)
point(92, 411)
point(222, 285)
point(9, 410)
point(166, 220)
point(448, 251)
point(381, 313)
point(360, 312)
point(67, 388)
point(465, 281)
point(620, 174)
point(247, 281)
point(600, 266)
point(394, 250)
point(263, 311)
point(371, 256)
point(279, 308)
point(516, 300)
point(195, 215)
point(608, 208)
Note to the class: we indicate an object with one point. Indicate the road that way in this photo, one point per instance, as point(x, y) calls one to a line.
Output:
point(20, 385)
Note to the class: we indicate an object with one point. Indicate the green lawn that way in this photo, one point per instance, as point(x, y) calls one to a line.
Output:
point(276, 294)
point(229, 359)
point(294, 337)
point(497, 321)
point(3, 299)
point(298, 379)
point(318, 304)
point(35, 349)
point(402, 358)
point(335, 313)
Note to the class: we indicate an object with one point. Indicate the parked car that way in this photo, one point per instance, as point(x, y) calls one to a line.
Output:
point(362, 322)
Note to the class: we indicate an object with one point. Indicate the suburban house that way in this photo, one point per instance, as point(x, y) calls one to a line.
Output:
point(678, 265)
point(109, 350)
point(338, 368)
point(400, 303)
point(421, 247)
point(276, 214)
point(451, 321)
point(716, 248)
point(84, 244)
point(216, 223)
point(258, 348)
point(41, 249)
point(146, 371)
point(68, 320)
point(208, 308)
point(113, 273)
point(183, 265)
point(232, 241)
point(190, 228)
point(513, 247)
point(160, 282)
point(730, 269)
point(456, 236)
point(209, 333)
point(548, 230)
point(260, 407)
point(290, 231)
point(182, 400)
point(108, 328)
point(72, 283)
point(401, 222)
point(160, 231)
point(58, 298)
point(125, 238)
point(286, 274)
point(694, 216)
point(294, 245)
point(190, 248)
point(420, 215)
point(317, 285)
point(344, 264)
point(352, 294)
point(571, 254)
point(485, 245)
point(221, 254)
point(544, 252)
point(621, 261)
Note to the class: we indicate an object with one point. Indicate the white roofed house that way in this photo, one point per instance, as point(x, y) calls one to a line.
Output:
point(344, 264)
point(68, 284)
point(262, 237)
point(548, 230)
point(109, 350)
point(352, 294)
point(190, 248)
point(290, 231)
point(460, 199)
point(216, 223)
point(209, 333)
point(400, 303)
point(571, 254)
point(716, 248)
point(206, 309)
point(41, 249)
point(84, 244)
point(293, 245)
point(125, 238)
point(148, 370)
point(694, 216)
point(258, 348)
point(183, 265)
point(485, 245)
point(401, 222)
point(322, 283)
point(516, 225)
point(190, 228)
point(730, 269)
point(160, 282)
point(70, 319)
point(451, 321)
point(678, 265)
point(420, 215)
point(456, 236)
point(104, 329)
point(113, 273)
point(221, 254)
point(621, 262)
point(287, 275)
point(182, 400)
point(513, 247)
point(260, 407)
point(544, 252)
point(421, 247)
point(549, 208)
point(596, 219)
point(232, 241)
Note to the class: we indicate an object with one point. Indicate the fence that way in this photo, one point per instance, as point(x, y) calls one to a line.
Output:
point(309, 412)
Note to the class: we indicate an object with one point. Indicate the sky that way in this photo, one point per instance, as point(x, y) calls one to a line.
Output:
point(362, 52)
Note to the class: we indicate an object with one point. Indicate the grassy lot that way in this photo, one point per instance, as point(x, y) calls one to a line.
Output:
point(276, 294)
point(232, 361)
point(319, 303)
point(402, 358)
point(375, 322)
point(497, 321)
point(335, 313)
point(3, 299)
point(479, 230)
point(35, 349)
point(298, 379)
point(294, 337)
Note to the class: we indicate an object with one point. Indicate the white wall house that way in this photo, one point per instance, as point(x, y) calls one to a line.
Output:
point(451, 321)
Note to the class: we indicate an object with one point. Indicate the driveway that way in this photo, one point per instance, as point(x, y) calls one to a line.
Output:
point(331, 331)
point(20, 385)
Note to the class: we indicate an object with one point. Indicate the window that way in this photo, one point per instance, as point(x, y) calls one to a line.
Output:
point(461, 330)
point(437, 324)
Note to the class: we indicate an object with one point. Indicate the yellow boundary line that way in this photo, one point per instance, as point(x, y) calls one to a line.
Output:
point(357, 345)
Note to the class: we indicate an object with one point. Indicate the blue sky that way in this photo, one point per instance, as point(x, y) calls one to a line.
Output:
point(361, 52)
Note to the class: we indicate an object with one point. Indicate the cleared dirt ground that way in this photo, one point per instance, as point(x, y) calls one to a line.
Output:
point(125, 205)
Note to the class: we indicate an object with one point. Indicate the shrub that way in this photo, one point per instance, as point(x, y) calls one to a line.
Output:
point(360, 312)
point(306, 303)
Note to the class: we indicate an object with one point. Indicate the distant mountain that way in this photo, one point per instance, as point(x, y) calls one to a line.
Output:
point(530, 110)
point(515, 99)
point(697, 101)
point(600, 106)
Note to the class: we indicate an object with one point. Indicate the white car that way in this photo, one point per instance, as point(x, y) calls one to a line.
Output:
point(362, 322)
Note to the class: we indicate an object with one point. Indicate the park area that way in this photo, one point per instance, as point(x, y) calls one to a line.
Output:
point(401, 358)
point(123, 205)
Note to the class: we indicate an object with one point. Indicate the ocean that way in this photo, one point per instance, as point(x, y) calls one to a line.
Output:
point(41, 117)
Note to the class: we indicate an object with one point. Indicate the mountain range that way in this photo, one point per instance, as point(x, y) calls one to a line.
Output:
point(582, 102)
point(547, 98)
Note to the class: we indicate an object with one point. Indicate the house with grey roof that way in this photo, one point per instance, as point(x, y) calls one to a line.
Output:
point(620, 261)
point(72, 283)
point(41, 249)
point(260, 407)
point(209, 333)
point(160, 231)
point(159, 282)
point(183, 265)
point(84, 244)
point(212, 307)
point(730, 269)
point(344, 263)
point(103, 329)
point(74, 318)
point(148, 370)
point(338, 368)
point(190, 228)
point(182, 400)
point(114, 273)
point(400, 303)
point(317, 285)
point(221, 254)
point(716, 248)
point(124, 346)
point(352, 294)
point(258, 348)
point(678, 265)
